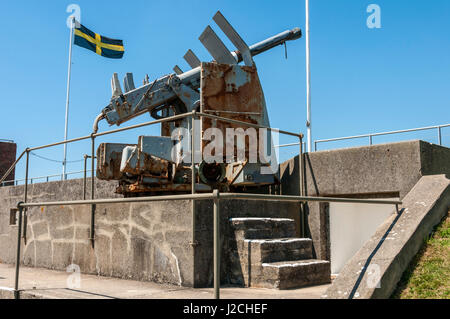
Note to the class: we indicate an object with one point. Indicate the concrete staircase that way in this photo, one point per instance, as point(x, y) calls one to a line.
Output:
point(270, 256)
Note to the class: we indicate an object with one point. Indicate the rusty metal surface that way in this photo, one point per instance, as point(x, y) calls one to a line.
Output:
point(109, 156)
point(230, 91)
point(148, 165)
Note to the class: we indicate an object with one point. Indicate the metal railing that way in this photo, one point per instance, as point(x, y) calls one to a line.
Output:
point(34, 179)
point(6, 141)
point(215, 196)
point(371, 135)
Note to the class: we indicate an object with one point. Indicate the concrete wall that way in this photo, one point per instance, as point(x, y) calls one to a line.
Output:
point(7, 158)
point(378, 171)
point(143, 241)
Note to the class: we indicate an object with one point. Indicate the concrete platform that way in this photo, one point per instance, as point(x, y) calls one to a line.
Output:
point(37, 283)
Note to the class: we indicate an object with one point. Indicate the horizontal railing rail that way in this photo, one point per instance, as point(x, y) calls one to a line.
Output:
point(371, 135)
point(6, 141)
point(46, 178)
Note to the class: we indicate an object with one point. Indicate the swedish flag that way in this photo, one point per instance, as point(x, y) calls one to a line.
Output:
point(101, 45)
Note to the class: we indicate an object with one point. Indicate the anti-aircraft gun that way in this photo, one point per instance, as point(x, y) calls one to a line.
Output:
point(222, 88)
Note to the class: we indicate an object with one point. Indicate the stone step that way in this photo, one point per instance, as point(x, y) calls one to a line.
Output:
point(294, 274)
point(274, 250)
point(262, 228)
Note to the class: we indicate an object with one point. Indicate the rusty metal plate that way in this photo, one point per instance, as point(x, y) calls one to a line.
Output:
point(109, 157)
point(230, 91)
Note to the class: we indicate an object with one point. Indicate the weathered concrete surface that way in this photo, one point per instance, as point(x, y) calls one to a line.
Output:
point(270, 255)
point(142, 241)
point(7, 158)
point(378, 171)
point(386, 255)
point(230, 209)
point(36, 283)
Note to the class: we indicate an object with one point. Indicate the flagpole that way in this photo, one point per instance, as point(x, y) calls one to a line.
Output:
point(69, 71)
point(308, 80)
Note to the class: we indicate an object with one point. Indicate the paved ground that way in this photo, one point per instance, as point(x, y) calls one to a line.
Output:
point(43, 283)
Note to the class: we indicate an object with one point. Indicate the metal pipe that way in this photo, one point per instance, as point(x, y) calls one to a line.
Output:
point(370, 139)
point(308, 78)
point(439, 136)
point(284, 198)
point(99, 117)
point(216, 244)
point(25, 198)
point(382, 133)
point(223, 119)
point(289, 198)
point(84, 176)
point(92, 229)
point(19, 235)
point(167, 119)
point(69, 71)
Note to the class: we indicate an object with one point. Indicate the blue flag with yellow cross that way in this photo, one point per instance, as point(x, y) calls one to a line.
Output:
point(106, 47)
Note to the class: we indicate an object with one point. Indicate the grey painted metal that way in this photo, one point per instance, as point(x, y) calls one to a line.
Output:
point(149, 96)
point(216, 244)
point(216, 47)
point(371, 135)
point(192, 59)
point(159, 146)
point(128, 82)
point(19, 235)
point(234, 37)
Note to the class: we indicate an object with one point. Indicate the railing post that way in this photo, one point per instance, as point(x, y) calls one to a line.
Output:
point(193, 176)
point(93, 206)
point(84, 176)
point(315, 146)
point(370, 140)
point(439, 136)
point(301, 186)
point(25, 197)
point(216, 244)
point(19, 235)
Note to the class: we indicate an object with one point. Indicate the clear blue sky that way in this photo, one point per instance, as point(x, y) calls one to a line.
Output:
point(363, 80)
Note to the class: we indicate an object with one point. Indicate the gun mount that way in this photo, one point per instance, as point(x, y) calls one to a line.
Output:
point(222, 88)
